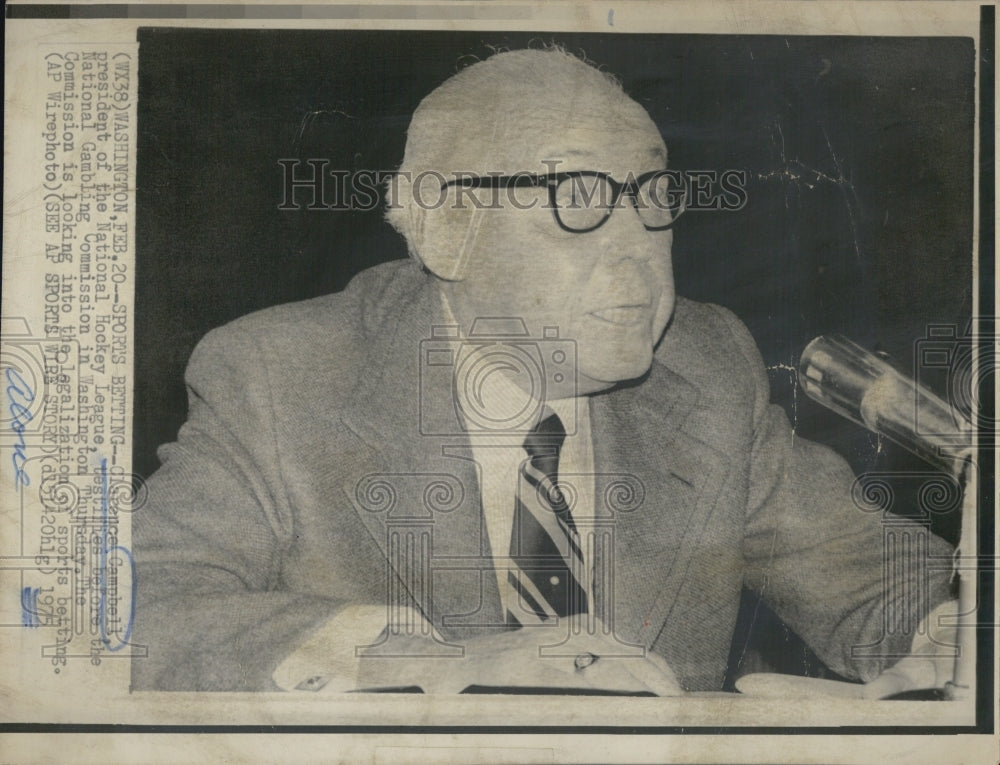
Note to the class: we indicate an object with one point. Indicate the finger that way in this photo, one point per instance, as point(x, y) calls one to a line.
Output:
point(648, 672)
point(909, 674)
point(663, 681)
point(654, 674)
point(634, 674)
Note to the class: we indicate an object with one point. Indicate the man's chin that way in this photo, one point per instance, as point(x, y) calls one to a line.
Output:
point(602, 377)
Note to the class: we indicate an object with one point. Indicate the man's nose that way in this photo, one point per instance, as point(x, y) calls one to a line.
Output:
point(624, 235)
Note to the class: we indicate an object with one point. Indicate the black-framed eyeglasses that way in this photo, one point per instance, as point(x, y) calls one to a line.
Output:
point(583, 200)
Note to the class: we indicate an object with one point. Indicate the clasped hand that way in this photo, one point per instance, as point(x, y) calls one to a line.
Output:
point(529, 658)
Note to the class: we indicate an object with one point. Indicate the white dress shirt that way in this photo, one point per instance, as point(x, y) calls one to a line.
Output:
point(500, 457)
point(502, 413)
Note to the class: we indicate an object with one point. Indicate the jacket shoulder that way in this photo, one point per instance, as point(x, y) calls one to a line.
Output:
point(710, 339)
point(363, 296)
point(314, 325)
point(323, 338)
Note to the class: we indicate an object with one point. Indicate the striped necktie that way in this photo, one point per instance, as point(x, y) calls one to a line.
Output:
point(545, 549)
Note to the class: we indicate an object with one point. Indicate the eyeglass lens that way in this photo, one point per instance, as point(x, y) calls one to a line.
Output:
point(584, 201)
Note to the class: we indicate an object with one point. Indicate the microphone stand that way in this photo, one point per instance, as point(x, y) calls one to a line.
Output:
point(960, 688)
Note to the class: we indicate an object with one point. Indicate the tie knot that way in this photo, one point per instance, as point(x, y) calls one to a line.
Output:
point(546, 437)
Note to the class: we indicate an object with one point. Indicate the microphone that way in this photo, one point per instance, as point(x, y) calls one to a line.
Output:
point(865, 389)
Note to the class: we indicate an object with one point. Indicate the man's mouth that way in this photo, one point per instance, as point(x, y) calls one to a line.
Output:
point(623, 315)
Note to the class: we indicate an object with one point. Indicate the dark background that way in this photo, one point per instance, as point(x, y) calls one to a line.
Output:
point(858, 150)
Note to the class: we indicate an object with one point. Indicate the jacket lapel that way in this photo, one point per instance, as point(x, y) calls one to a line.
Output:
point(656, 485)
point(417, 492)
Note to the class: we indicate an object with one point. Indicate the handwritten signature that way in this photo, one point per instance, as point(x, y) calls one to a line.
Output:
point(20, 396)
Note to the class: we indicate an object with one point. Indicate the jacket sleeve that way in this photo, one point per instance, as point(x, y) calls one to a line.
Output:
point(208, 543)
point(853, 582)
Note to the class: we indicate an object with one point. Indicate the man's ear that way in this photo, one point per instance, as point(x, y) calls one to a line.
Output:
point(444, 237)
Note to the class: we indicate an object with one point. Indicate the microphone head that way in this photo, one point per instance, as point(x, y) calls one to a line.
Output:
point(859, 385)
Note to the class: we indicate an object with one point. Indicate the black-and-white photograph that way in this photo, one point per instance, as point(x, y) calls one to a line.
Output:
point(499, 382)
point(552, 363)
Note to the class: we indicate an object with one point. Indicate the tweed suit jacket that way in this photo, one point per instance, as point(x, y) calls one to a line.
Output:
point(307, 478)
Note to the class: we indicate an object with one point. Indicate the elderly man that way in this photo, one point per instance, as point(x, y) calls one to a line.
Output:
point(517, 459)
